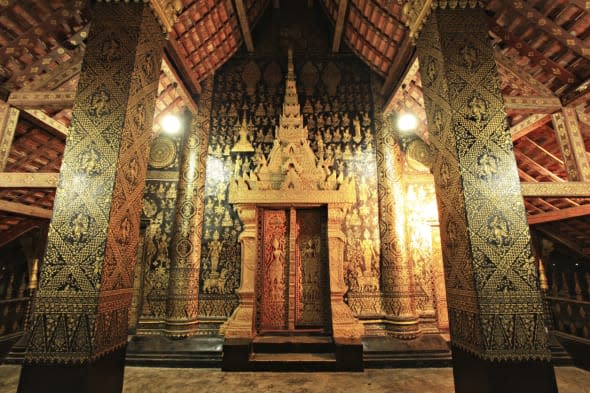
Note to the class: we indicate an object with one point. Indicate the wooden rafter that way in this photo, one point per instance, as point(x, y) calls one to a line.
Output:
point(59, 75)
point(8, 122)
point(545, 151)
point(571, 143)
point(28, 180)
point(529, 125)
point(46, 122)
point(25, 210)
point(558, 215)
point(339, 27)
point(18, 230)
point(396, 72)
point(583, 4)
point(578, 95)
point(511, 67)
point(406, 78)
point(244, 24)
point(42, 99)
point(559, 238)
point(546, 24)
point(532, 54)
point(556, 190)
point(544, 171)
point(183, 92)
point(541, 104)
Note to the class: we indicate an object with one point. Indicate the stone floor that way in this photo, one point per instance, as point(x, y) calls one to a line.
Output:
point(180, 380)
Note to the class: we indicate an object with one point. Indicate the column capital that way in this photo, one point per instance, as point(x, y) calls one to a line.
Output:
point(166, 11)
point(417, 11)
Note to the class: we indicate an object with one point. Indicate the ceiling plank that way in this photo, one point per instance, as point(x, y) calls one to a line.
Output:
point(556, 189)
point(544, 105)
point(46, 122)
point(532, 54)
point(244, 24)
point(28, 180)
point(8, 122)
point(558, 215)
point(339, 27)
point(546, 24)
point(529, 125)
point(42, 99)
point(511, 67)
point(25, 210)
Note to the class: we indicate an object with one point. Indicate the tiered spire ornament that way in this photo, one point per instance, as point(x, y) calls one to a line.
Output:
point(291, 163)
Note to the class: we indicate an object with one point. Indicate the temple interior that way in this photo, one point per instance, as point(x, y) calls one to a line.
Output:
point(256, 190)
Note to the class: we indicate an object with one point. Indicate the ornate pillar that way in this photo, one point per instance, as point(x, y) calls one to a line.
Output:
point(241, 323)
point(344, 324)
point(79, 323)
point(182, 306)
point(396, 271)
point(498, 334)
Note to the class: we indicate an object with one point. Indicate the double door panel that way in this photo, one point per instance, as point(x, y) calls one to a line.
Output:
point(292, 277)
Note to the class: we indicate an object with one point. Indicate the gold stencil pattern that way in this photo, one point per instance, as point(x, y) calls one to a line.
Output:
point(495, 308)
point(85, 287)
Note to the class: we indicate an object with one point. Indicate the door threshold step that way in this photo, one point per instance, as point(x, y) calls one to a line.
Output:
point(293, 357)
point(277, 339)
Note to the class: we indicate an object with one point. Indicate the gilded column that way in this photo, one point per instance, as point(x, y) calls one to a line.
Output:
point(397, 277)
point(185, 266)
point(81, 308)
point(495, 308)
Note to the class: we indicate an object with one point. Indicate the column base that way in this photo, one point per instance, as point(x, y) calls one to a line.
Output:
point(403, 328)
point(241, 323)
point(344, 324)
point(181, 329)
point(472, 374)
point(104, 375)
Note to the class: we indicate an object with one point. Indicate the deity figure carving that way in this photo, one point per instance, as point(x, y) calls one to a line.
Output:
point(243, 145)
point(215, 251)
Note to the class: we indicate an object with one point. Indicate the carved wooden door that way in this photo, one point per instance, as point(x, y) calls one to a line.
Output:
point(292, 277)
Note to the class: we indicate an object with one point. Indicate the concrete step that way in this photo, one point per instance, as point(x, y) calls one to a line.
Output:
point(292, 344)
point(293, 361)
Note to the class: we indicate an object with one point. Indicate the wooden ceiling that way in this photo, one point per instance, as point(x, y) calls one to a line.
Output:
point(542, 52)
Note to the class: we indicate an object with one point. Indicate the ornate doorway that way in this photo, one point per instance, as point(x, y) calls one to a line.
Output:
point(292, 284)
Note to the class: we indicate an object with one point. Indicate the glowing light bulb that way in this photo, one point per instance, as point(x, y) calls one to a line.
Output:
point(171, 124)
point(407, 122)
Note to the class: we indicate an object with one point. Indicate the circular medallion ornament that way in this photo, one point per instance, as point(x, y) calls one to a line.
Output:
point(418, 154)
point(162, 152)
